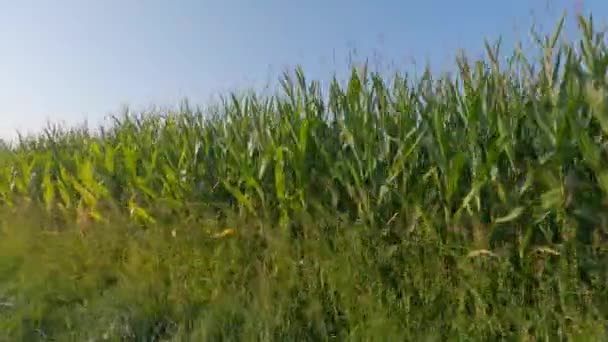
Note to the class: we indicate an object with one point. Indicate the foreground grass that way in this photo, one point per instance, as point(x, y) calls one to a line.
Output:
point(470, 207)
point(118, 282)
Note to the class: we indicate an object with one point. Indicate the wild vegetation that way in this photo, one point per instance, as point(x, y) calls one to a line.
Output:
point(467, 207)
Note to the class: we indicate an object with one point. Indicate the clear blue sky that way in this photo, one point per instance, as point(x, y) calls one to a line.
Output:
point(68, 60)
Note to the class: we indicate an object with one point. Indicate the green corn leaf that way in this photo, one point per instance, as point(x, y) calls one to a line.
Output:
point(240, 197)
point(511, 216)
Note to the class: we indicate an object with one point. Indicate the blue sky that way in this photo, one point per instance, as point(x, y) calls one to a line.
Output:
point(65, 61)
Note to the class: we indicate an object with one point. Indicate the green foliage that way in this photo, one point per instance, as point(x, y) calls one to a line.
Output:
point(470, 205)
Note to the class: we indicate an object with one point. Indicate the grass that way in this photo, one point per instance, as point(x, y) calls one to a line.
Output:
point(468, 207)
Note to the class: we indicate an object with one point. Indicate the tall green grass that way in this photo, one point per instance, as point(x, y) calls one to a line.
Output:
point(471, 206)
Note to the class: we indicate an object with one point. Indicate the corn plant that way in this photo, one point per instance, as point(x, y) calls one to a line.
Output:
point(498, 154)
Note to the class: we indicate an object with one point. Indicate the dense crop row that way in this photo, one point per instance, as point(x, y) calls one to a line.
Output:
point(500, 144)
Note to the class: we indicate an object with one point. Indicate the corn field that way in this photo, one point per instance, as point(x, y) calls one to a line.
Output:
point(483, 192)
